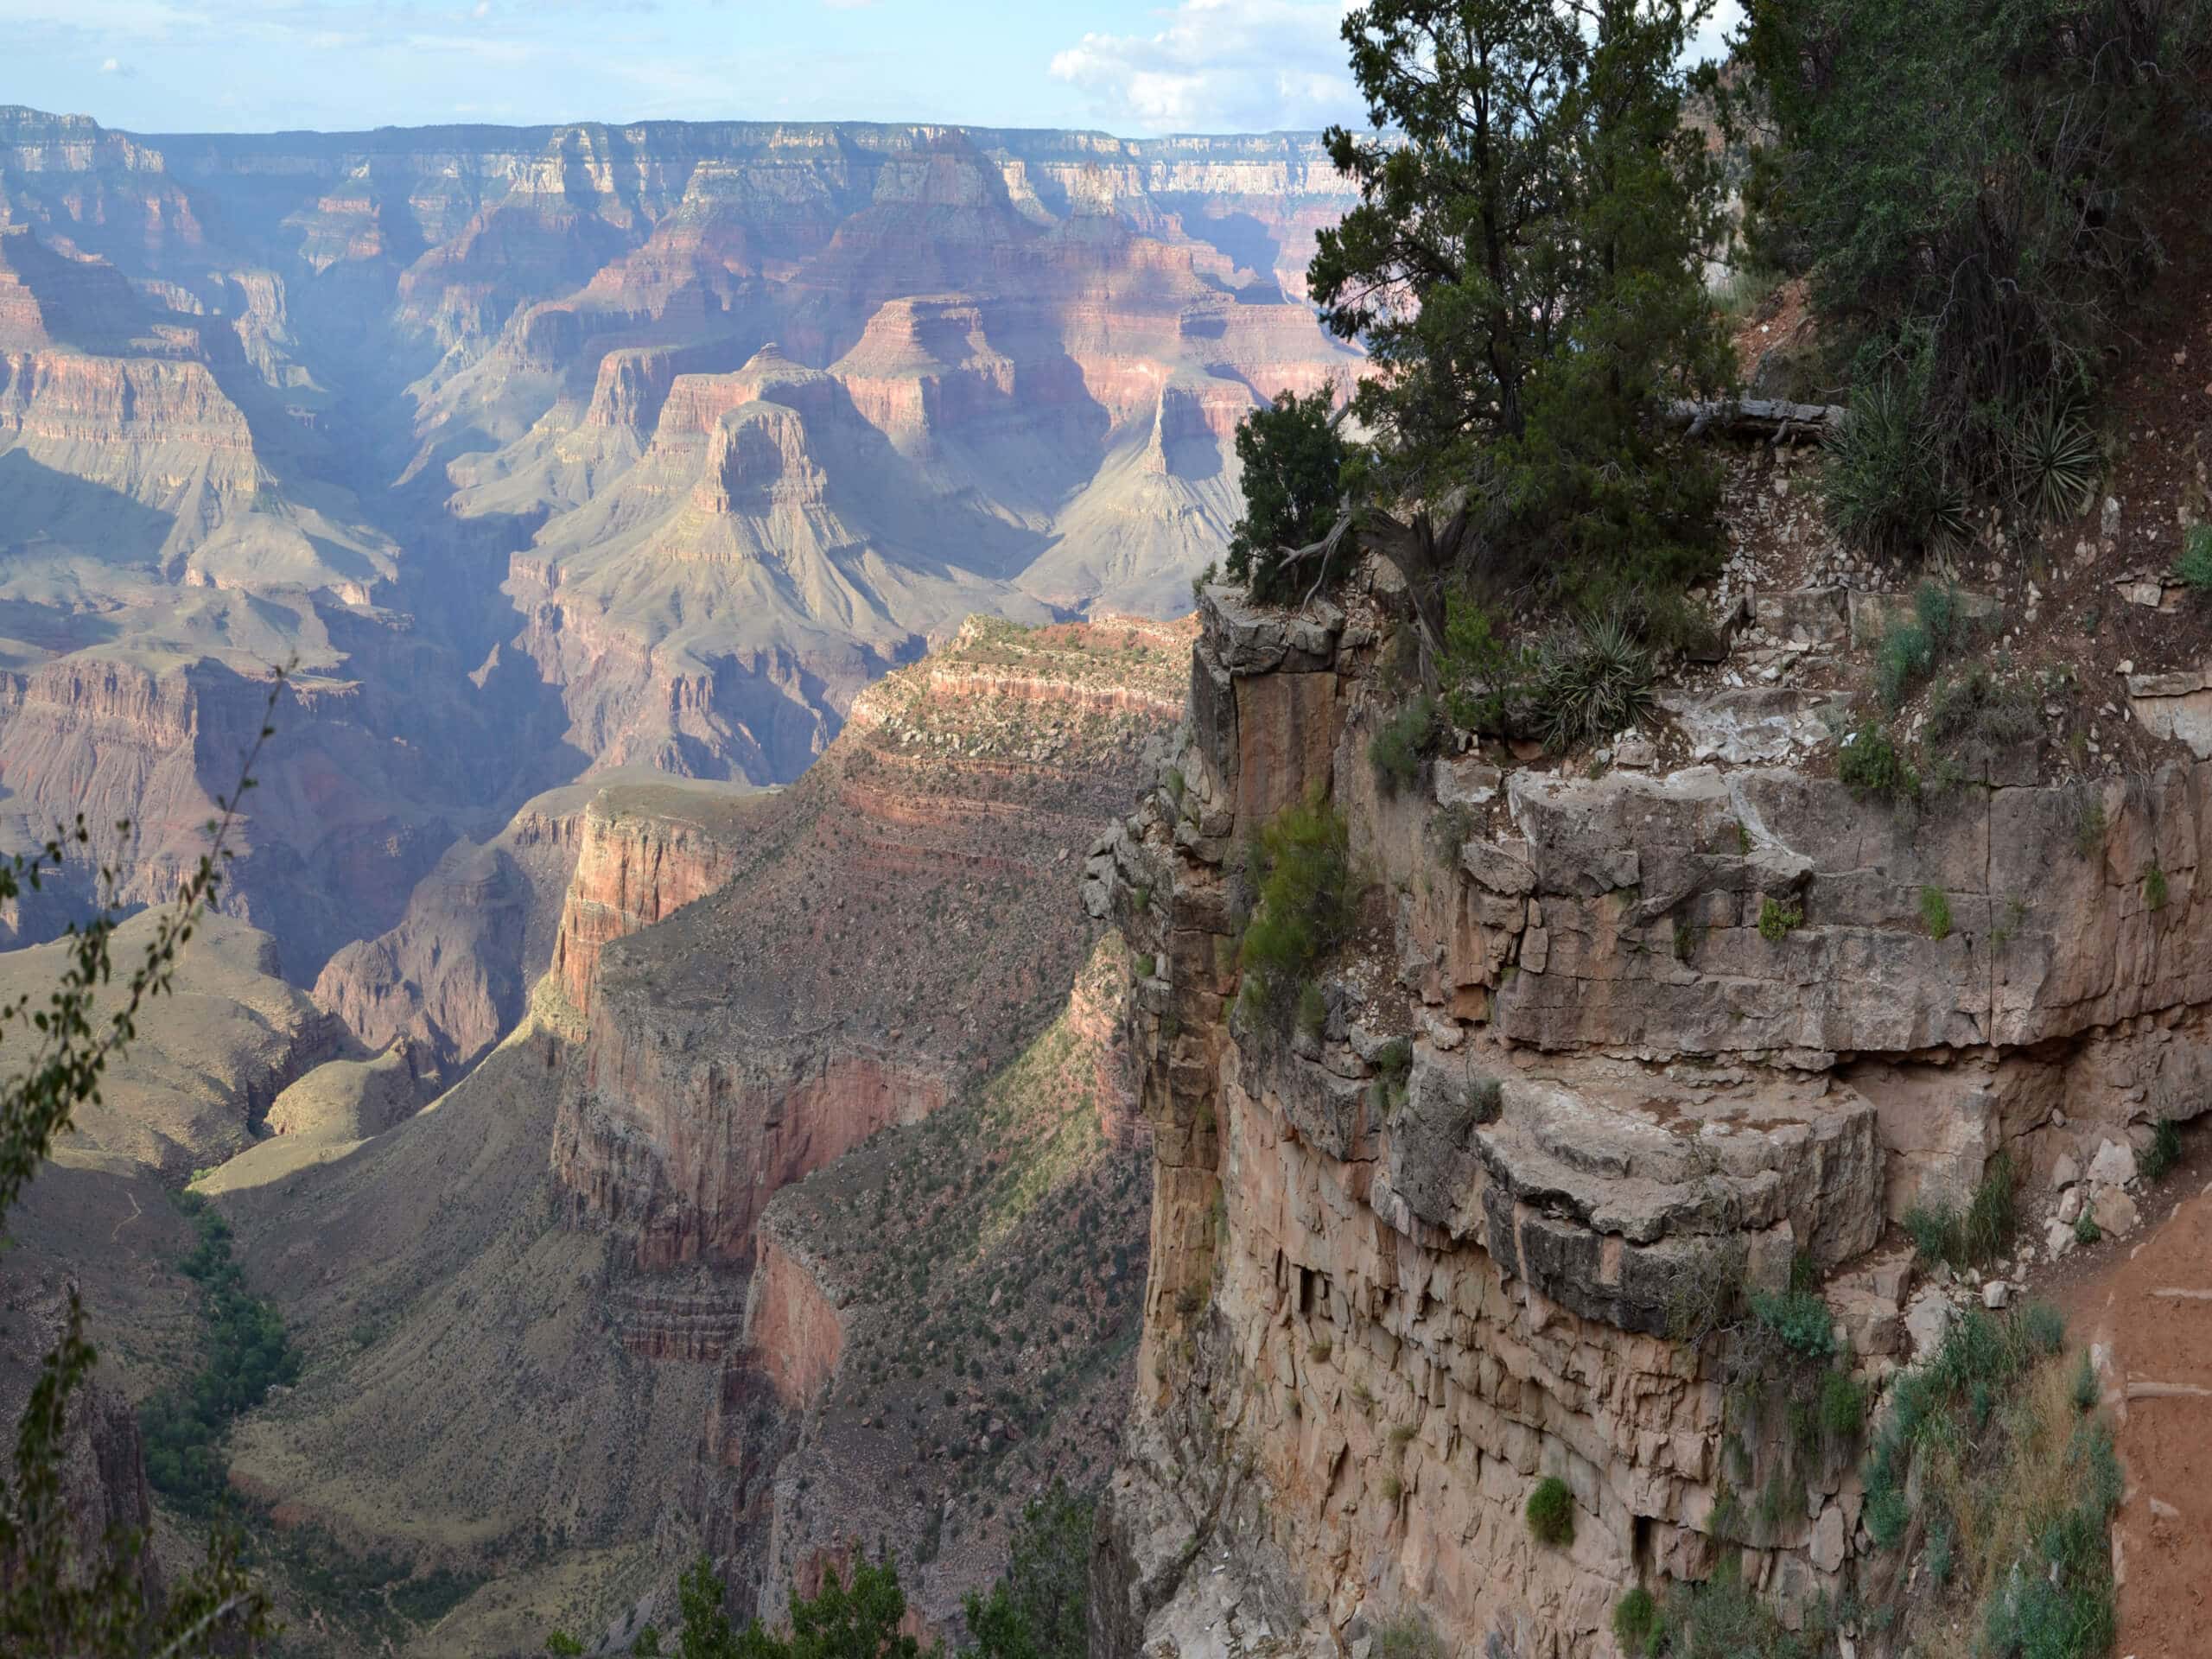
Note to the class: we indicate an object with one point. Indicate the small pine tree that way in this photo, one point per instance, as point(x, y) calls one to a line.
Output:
point(1293, 459)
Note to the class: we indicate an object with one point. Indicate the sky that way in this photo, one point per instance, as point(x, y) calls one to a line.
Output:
point(1135, 67)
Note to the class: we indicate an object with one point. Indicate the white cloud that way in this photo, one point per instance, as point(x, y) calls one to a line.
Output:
point(110, 67)
point(1219, 66)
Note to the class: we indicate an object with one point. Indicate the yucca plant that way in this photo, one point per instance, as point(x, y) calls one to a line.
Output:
point(1888, 487)
point(2055, 463)
point(1592, 680)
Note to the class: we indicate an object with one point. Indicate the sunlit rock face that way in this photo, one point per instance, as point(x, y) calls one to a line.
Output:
point(536, 450)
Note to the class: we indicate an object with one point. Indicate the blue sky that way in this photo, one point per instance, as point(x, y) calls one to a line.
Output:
point(1131, 66)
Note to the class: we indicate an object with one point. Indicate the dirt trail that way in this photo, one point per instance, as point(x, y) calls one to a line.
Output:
point(2152, 1305)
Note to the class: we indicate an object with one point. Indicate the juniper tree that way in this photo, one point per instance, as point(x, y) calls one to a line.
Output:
point(1525, 266)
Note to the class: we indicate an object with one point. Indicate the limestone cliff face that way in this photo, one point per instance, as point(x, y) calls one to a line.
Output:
point(1379, 1312)
point(791, 1324)
point(642, 854)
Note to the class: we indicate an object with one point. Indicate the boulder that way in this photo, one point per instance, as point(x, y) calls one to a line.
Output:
point(1466, 780)
point(2115, 1212)
point(1827, 1548)
point(1927, 1322)
point(2113, 1165)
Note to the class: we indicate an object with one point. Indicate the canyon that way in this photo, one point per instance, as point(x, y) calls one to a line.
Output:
point(734, 1028)
point(702, 586)
point(662, 1268)
point(536, 452)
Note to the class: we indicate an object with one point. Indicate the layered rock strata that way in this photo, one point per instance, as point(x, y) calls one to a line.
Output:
point(1596, 1041)
point(835, 986)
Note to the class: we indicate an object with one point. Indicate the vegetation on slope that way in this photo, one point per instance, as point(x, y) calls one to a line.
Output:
point(1969, 186)
point(1039, 1610)
point(54, 1599)
point(1526, 267)
point(186, 1426)
point(990, 1265)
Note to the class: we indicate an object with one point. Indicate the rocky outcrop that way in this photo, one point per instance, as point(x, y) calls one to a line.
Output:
point(791, 1323)
point(822, 994)
point(452, 978)
point(681, 1156)
point(1018, 1209)
point(644, 852)
point(1599, 1042)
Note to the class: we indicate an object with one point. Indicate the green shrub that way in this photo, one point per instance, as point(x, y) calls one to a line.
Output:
point(2044, 1327)
point(1404, 741)
point(1986, 1232)
point(1312, 1010)
point(1725, 1618)
point(2154, 888)
point(1590, 682)
point(1777, 921)
point(1977, 706)
point(1909, 650)
point(1305, 904)
point(1798, 1319)
point(1408, 1636)
point(2088, 823)
point(1394, 1064)
point(2084, 1391)
point(1942, 1234)
point(1934, 1229)
point(1485, 1100)
point(187, 1426)
point(1706, 1294)
point(1902, 655)
point(1636, 1620)
point(1936, 912)
point(1040, 1609)
point(1843, 1405)
point(2086, 1231)
point(2163, 1153)
point(1939, 212)
point(1869, 765)
point(2194, 565)
point(1292, 456)
point(1551, 1511)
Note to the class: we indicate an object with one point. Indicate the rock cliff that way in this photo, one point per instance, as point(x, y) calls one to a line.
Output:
point(737, 1080)
point(837, 984)
point(644, 853)
point(1597, 1039)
